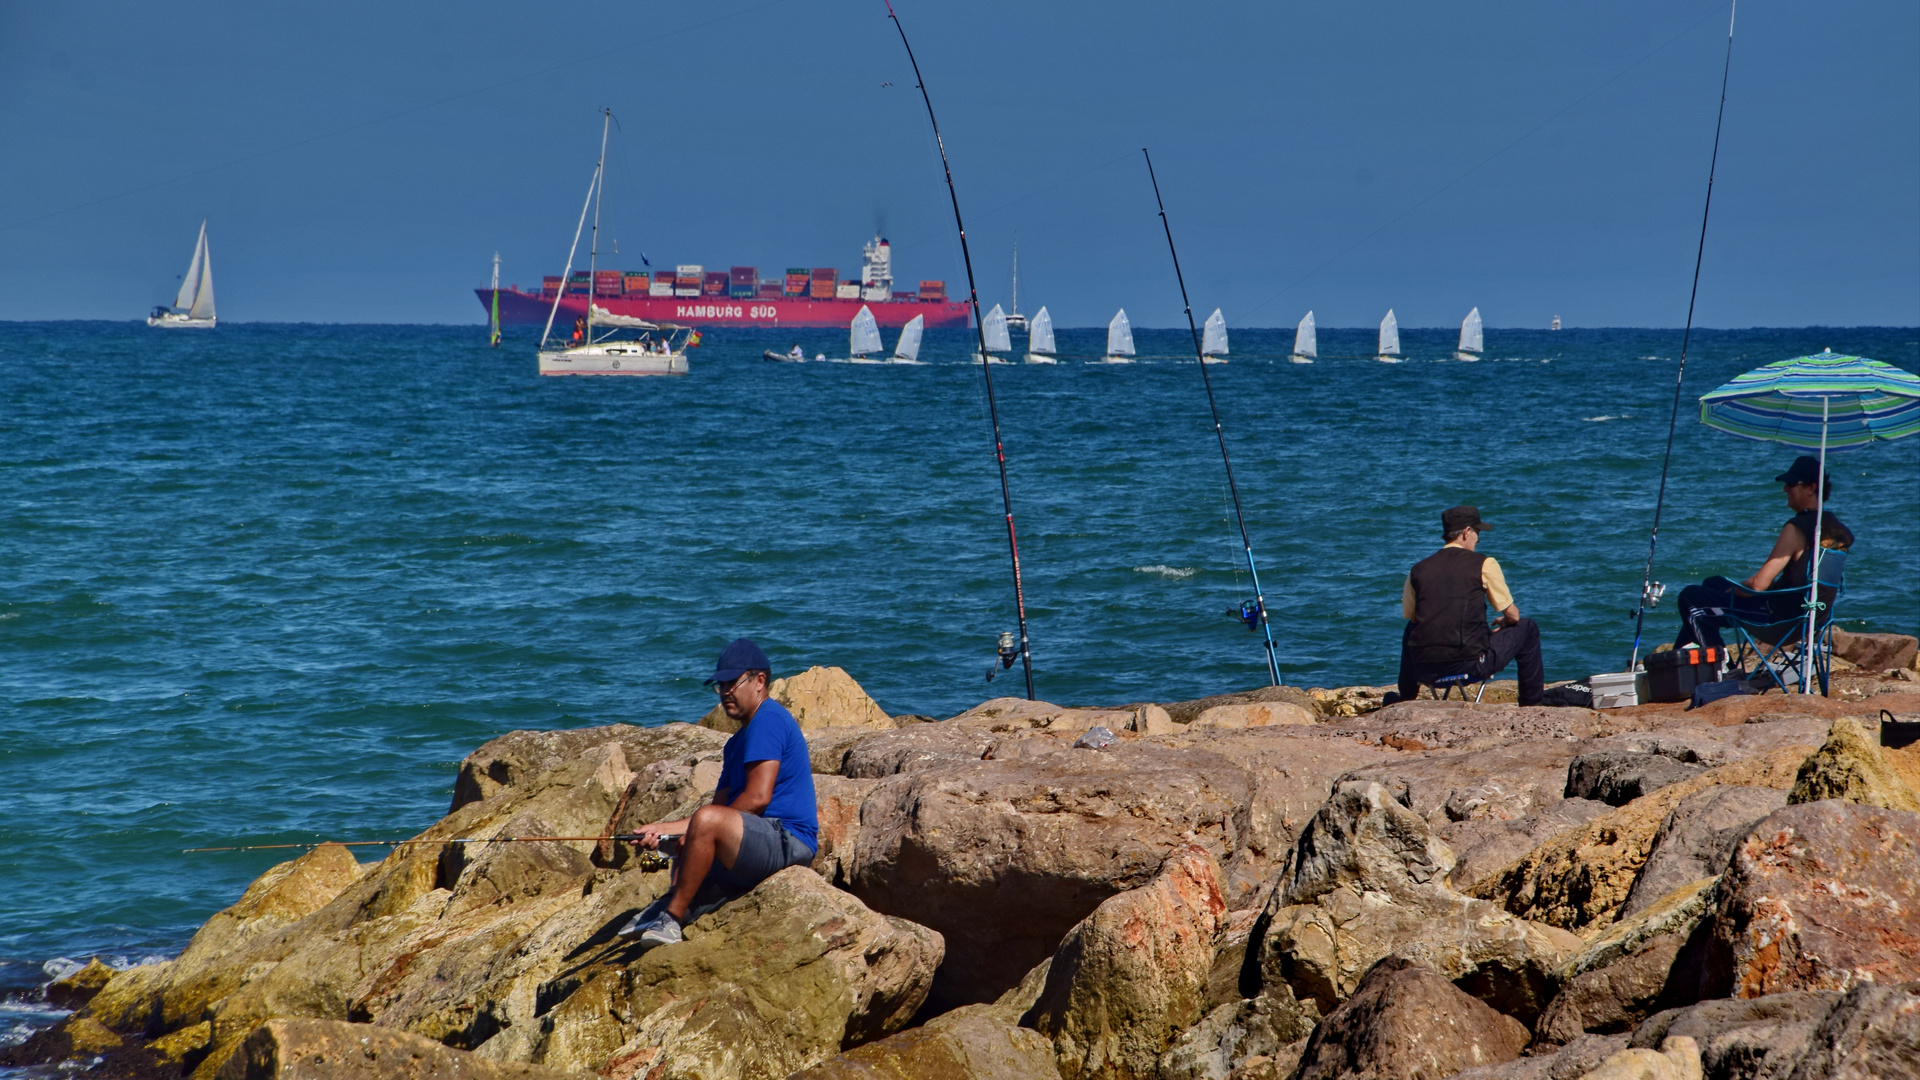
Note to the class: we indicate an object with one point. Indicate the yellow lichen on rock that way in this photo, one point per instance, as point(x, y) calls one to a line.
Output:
point(1850, 767)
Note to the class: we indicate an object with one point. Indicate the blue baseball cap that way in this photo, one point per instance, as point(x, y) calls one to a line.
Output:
point(739, 657)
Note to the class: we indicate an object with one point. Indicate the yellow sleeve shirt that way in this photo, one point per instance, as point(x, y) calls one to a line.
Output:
point(1492, 579)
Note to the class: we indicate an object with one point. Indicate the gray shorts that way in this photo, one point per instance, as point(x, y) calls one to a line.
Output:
point(766, 848)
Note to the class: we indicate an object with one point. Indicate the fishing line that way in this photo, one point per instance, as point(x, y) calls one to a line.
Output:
point(1650, 589)
point(986, 362)
point(1259, 599)
point(1449, 185)
point(296, 144)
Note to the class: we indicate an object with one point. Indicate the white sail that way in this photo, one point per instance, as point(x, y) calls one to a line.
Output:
point(909, 347)
point(1471, 337)
point(1306, 341)
point(1213, 339)
point(994, 329)
point(1040, 334)
point(1389, 335)
point(1120, 335)
point(865, 339)
point(603, 317)
point(203, 294)
point(188, 284)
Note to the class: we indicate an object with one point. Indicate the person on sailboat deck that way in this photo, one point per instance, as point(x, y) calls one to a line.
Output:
point(1445, 601)
point(579, 329)
point(1704, 607)
point(762, 818)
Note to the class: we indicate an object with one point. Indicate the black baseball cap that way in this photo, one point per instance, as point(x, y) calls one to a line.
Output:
point(1453, 519)
point(739, 657)
point(1804, 470)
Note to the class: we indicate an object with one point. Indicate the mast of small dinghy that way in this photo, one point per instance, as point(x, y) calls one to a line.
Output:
point(1650, 590)
point(1246, 543)
point(986, 362)
point(593, 190)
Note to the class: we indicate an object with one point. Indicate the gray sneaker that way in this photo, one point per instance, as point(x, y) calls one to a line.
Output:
point(662, 929)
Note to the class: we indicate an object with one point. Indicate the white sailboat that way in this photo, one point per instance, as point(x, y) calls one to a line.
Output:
point(994, 329)
point(653, 351)
point(1472, 342)
point(1015, 320)
point(193, 307)
point(1040, 348)
point(1306, 342)
point(908, 351)
point(864, 339)
point(1119, 340)
point(1556, 323)
point(1389, 339)
point(1213, 339)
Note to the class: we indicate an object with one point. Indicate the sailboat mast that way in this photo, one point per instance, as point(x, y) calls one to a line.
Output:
point(1016, 275)
point(1259, 598)
point(593, 247)
point(573, 249)
point(986, 361)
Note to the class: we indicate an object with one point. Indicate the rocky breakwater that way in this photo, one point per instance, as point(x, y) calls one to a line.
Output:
point(1253, 887)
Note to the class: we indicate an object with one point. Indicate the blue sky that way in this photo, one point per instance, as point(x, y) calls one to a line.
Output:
point(363, 161)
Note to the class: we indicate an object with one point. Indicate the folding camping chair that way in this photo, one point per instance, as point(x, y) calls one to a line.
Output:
point(1779, 645)
point(1445, 684)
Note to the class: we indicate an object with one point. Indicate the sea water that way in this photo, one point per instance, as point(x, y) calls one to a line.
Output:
point(269, 583)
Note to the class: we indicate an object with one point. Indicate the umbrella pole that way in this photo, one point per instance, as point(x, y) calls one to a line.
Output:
point(1813, 559)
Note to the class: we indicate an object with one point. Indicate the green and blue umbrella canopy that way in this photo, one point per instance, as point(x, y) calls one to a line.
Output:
point(1841, 402)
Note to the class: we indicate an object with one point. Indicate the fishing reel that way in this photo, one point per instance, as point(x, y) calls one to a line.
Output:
point(649, 861)
point(1251, 614)
point(1651, 594)
point(1009, 652)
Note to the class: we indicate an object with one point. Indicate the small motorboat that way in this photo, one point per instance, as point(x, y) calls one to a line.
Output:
point(793, 357)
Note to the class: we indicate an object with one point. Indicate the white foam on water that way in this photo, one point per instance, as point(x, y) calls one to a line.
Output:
point(1604, 419)
point(1166, 571)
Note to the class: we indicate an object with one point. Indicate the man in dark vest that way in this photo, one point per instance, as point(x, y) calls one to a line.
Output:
point(1445, 603)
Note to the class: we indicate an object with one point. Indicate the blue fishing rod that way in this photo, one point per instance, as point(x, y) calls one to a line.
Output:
point(1256, 615)
point(986, 369)
point(1651, 590)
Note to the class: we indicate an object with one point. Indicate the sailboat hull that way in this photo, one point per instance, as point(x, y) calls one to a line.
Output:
point(1041, 358)
point(171, 321)
point(1115, 360)
point(611, 359)
point(1298, 359)
point(1464, 355)
point(1388, 359)
point(1214, 359)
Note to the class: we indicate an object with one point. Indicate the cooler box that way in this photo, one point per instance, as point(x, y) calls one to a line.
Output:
point(1617, 690)
point(1672, 675)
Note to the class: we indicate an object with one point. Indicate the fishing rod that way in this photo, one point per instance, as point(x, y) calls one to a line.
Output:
point(648, 859)
point(1651, 590)
point(1246, 544)
point(986, 361)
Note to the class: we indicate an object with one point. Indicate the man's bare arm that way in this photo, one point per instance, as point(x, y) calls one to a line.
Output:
point(1790, 544)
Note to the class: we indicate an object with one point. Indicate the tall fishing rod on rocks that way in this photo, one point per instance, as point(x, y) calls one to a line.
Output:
point(986, 369)
point(1257, 611)
point(1651, 590)
point(648, 859)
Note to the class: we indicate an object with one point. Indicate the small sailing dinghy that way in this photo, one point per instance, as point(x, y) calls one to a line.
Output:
point(1213, 339)
point(653, 351)
point(994, 329)
point(1389, 339)
point(864, 340)
point(1040, 348)
point(1119, 340)
point(908, 351)
point(1471, 337)
point(193, 308)
point(1306, 342)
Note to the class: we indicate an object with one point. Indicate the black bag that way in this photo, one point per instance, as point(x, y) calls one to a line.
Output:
point(1708, 693)
point(1573, 695)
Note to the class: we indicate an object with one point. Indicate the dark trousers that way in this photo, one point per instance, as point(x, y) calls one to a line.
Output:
point(1521, 642)
point(1704, 608)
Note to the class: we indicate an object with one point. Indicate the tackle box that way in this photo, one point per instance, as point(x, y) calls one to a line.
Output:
point(1672, 675)
point(1617, 690)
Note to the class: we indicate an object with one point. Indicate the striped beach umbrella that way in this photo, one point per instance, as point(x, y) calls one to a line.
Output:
point(1810, 402)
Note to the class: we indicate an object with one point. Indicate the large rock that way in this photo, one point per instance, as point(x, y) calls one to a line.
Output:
point(1618, 777)
point(1819, 896)
point(1628, 972)
point(1186, 712)
point(969, 1043)
point(1133, 974)
point(520, 756)
point(1407, 1022)
point(1579, 881)
point(777, 981)
point(1696, 840)
point(1570, 1062)
point(1875, 652)
point(819, 697)
point(329, 1050)
point(1848, 766)
point(1677, 1059)
point(1260, 1036)
point(1871, 1034)
point(1758, 1039)
point(1364, 836)
point(1255, 714)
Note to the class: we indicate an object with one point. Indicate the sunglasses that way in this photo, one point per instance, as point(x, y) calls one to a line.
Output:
point(721, 688)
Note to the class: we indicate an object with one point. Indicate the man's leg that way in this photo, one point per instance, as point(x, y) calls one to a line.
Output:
point(712, 833)
point(1520, 641)
point(1703, 612)
point(1409, 676)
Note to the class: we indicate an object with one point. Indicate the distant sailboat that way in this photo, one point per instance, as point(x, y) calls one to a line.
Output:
point(1015, 320)
point(1040, 348)
point(193, 307)
point(493, 318)
point(1306, 343)
point(1119, 340)
point(1213, 339)
point(908, 351)
point(864, 340)
point(994, 329)
point(1471, 339)
point(1389, 339)
point(1556, 323)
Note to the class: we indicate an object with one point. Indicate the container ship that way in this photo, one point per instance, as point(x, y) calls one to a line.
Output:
point(692, 295)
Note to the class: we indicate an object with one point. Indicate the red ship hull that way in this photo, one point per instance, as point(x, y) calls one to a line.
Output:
point(523, 308)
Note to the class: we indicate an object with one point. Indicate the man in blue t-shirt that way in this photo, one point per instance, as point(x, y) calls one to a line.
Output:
point(762, 818)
